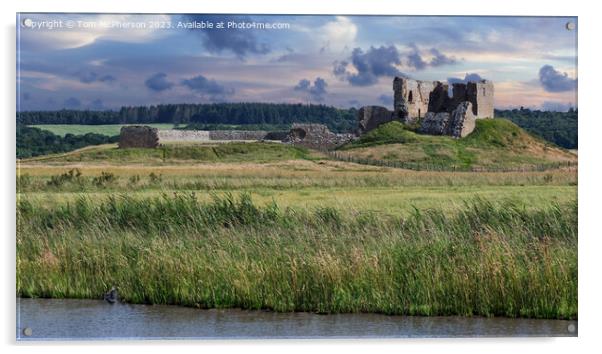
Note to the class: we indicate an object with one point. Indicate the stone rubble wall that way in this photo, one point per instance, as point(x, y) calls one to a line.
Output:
point(458, 124)
point(237, 134)
point(138, 136)
point(316, 136)
point(176, 135)
point(370, 117)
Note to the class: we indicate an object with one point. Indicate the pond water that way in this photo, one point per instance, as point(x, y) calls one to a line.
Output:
point(52, 319)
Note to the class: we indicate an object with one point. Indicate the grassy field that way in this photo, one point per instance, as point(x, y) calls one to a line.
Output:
point(271, 226)
point(80, 129)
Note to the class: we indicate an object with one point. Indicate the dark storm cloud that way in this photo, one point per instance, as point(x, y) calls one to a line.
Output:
point(473, 77)
point(72, 102)
point(386, 100)
point(209, 87)
point(158, 82)
point(416, 60)
point(553, 80)
point(370, 65)
point(317, 91)
point(238, 41)
point(441, 59)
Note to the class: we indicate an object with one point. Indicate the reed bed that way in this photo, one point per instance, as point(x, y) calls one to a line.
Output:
point(488, 259)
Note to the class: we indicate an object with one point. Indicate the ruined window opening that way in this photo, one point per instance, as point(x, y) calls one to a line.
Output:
point(410, 98)
point(418, 113)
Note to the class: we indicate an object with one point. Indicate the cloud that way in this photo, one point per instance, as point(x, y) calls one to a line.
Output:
point(472, 77)
point(369, 66)
point(440, 58)
point(89, 77)
point(316, 92)
point(337, 34)
point(72, 103)
point(158, 82)
point(553, 80)
point(238, 41)
point(386, 100)
point(415, 59)
point(209, 87)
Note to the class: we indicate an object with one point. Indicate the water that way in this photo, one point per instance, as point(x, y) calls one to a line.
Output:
point(96, 319)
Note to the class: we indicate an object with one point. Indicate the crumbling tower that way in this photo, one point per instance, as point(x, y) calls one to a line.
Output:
point(413, 98)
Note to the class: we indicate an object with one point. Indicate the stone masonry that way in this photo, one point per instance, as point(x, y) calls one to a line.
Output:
point(413, 98)
point(429, 104)
point(370, 117)
point(138, 136)
point(316, 136)
point(459, 123)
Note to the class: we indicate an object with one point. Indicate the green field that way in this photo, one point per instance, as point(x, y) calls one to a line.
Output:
point(80, 129)
point(272, 226)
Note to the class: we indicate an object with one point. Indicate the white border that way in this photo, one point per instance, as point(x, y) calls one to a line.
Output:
point(589, 173)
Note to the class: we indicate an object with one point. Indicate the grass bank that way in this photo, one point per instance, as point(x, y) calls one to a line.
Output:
point(495, 143)
point(487, 259)
point(180, 153)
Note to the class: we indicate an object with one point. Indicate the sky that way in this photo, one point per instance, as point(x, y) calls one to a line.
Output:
point(106, 61)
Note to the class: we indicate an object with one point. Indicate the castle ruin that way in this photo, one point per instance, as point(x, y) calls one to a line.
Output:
point(429, 104)
point(425, 106)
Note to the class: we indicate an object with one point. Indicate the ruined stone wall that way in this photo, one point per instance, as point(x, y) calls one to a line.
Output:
point(411, 98)
point(176, 135)
point(370, 117)
point(458, 124)
point(237, 134)
point(316, 136)
point(138, 136)
point(480, 94)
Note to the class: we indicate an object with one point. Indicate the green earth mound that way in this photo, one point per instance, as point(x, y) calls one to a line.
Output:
point(495, 143)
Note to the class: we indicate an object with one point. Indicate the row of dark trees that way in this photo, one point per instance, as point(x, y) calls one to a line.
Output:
point(218, 113)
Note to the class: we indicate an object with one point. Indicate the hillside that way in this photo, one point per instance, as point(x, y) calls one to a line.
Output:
point(495, 143)
point(179, 154)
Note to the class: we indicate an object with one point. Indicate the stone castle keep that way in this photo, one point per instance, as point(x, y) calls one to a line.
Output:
point(429, 104)
point(425, 106)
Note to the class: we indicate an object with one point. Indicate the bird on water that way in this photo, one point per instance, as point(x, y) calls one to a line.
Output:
point(111, 296)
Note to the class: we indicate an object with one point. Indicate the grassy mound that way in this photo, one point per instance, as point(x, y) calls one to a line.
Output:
point(495, 143)
point(184, 153)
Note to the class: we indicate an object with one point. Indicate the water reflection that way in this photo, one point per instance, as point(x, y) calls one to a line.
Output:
point(96, 319)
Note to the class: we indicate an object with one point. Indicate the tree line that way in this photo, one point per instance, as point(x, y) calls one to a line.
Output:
point(339, 120)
